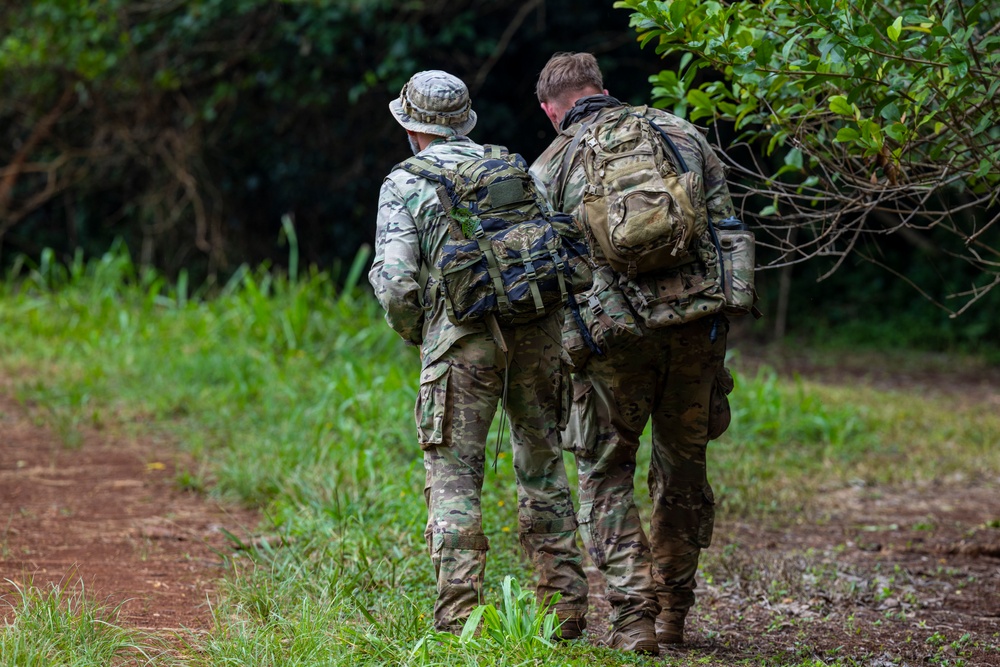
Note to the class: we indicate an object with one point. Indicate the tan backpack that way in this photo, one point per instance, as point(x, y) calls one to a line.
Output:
point(644, 215)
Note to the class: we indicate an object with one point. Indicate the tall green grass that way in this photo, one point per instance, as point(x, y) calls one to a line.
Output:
point(61, 626)
point(294, 396)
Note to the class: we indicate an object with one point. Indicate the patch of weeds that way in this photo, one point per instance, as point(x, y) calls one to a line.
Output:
point(185, 480)
point(65, 628)
point(519, 629)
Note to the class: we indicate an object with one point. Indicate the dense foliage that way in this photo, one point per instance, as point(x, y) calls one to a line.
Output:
point(879, 119)
point(190, 127)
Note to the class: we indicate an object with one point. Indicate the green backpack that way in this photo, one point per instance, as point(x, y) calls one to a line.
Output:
point(507, 256)
point(644, 215)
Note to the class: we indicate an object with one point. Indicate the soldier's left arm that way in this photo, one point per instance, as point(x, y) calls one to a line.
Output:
point(717, 196)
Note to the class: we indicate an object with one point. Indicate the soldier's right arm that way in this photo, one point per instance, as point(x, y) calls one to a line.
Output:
point(547, 174)
point(395, 272)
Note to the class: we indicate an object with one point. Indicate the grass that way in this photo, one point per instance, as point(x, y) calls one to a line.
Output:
point(294, 396)
point(61, 626)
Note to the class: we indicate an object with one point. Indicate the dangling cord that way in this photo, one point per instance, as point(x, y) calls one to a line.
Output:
point(494, 327)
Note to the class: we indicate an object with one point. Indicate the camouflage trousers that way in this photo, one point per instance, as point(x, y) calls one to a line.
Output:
point(457, 401)
point(669, 376)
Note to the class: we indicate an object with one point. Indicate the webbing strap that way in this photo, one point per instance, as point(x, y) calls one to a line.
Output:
point(494, 327)
point(633, 269)
point(600, 314)
point(445, 190)
point(561, 267)
point(493, 269)
point(471, 542)
point(423, 167)
point(529, 273)
point(552, 526)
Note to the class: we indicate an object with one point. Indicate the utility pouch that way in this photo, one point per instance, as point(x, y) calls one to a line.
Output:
point(736, 243)
point(673, 297)
point(598, 319)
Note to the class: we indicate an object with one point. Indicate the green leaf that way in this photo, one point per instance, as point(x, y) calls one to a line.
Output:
point(847, 134)
point(764, 50)
point(699, 99)
point(816, 80)
point(894, 30)
point(898, 132)
point(794, 159)
point(840, 106)
point(888, 110)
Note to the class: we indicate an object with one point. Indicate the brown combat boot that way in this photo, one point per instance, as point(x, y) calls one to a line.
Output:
point(670, 626)
point(637, 637)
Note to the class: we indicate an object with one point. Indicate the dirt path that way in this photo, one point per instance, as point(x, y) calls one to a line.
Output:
point(107, 516)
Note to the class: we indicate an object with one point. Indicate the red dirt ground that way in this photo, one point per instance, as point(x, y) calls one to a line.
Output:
point(107, 516)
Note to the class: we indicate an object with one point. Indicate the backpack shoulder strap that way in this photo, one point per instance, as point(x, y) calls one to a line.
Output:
point(425, 168)
point(420, 166)
point(568, 157)
point(673, 147)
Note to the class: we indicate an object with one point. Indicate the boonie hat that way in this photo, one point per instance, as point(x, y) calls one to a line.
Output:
point(434, 102)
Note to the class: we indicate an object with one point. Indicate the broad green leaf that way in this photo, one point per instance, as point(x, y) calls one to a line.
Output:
point(898, 132)
point(699, 99)
point(847, 134)
point(840, 106)
point(894, 30)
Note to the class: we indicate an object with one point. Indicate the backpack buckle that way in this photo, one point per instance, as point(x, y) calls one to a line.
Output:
point(595, 305)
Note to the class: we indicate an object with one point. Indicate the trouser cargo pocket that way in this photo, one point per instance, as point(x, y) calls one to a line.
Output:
point(432, 413)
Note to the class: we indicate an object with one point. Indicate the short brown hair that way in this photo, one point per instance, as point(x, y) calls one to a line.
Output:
point(568, 72)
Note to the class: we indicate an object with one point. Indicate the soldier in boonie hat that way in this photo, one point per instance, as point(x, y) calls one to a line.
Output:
point(435, 102)
point(465, 375)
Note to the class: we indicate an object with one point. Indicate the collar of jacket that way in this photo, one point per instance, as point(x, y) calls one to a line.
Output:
point(585, 106)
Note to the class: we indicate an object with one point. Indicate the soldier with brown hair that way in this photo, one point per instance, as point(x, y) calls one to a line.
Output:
point(463, 376)
point(673, 375)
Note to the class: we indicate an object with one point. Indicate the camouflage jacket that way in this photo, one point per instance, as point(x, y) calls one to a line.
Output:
point(564, 192)
point(411, 232)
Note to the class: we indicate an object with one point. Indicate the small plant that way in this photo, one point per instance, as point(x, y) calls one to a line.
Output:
point(936, 638)
point(519, 620)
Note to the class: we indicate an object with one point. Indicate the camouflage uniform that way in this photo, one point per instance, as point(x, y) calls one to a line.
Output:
point(668, 375)
point(461, 382)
